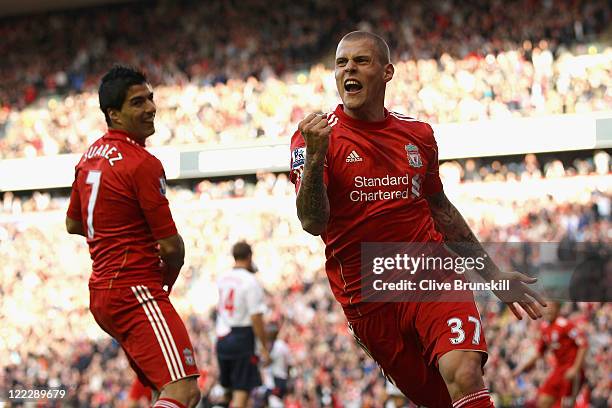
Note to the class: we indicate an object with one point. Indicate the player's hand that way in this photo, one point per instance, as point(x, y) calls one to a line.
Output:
point(316, 131)
point(167, 280)
point(571, 374)
point(265, 358)
point(520, 295)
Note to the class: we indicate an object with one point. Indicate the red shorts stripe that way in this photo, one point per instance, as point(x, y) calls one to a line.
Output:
point(150, 331)
point(172, 350)
point(407, 339)
point(159, 334)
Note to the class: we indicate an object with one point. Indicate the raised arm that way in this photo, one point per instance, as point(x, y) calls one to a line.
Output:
point(312, 203)
point(460, 238)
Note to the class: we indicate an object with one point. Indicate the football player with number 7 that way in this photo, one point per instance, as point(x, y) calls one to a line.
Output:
point(118, 203)
point(365, 174)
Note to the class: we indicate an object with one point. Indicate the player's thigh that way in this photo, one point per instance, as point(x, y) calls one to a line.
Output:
point(245, 376)
point(399, 355)
point(103, 305)
point(552, 388)
point(157, 340)
point(141, 382)
point(225, 371)
point(447, 326)
point(570, 388)
point(546, 401)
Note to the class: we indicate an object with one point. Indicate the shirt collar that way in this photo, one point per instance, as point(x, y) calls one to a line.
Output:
point(117, 134)
point(362, 124)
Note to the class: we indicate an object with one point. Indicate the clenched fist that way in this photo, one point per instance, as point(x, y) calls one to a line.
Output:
point(316, 131)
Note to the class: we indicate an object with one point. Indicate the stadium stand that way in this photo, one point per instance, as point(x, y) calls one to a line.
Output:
point(251, 79)
point(224, 90)
point(68, 348)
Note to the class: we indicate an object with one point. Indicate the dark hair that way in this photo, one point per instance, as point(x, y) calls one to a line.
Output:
point(114, 86)
point(241, 251)
point(382, 49)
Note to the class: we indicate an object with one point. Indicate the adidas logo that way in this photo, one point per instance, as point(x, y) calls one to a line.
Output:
point(353, 157)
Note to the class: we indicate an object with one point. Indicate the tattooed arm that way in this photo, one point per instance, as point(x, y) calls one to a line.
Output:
point(458, 234)
point(460, 238)
point(312, 203)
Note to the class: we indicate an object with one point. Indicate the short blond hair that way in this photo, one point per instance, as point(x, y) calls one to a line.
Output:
point(381, 46)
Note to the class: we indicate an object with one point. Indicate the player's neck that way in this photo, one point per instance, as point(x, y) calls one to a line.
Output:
point(242, 265)
point(139, 140)
point(366, 114)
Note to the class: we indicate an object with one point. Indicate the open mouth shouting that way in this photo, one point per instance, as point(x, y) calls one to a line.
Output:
point(352, 86)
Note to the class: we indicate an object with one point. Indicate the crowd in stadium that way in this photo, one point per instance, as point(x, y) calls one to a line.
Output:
point(252, 79)
point(246, 87)
point(67, 349)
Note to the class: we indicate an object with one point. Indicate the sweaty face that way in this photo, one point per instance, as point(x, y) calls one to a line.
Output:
point(138, 112)
point(360, 77)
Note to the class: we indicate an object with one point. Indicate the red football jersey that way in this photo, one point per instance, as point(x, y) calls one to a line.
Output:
point(118, 195)
point(563, 338)
point(377, 176)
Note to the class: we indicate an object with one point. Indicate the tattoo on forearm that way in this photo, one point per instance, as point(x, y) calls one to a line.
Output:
point(312, 200)
point(458, 235)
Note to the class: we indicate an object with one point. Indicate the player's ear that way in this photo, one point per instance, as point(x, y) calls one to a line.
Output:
point(114, 115)
point(388, 72)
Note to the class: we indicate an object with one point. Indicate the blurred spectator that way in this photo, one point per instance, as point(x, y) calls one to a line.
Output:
point(49, 339)
point(453, 63)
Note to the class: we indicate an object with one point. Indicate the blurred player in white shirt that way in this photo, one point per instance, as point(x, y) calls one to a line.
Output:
point(239, 322)
point(275, 376)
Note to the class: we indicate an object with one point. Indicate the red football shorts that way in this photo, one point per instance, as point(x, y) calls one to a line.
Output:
point(152, 334)
point(407, 340)
point(558, 387)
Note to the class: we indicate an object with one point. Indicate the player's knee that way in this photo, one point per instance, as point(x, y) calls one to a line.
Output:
point(462, 372)
point(468, 375)
point(193, 395)
point(186, 391)
point(545, 401)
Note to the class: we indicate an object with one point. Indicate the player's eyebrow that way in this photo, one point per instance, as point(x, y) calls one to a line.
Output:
point(358, 57)
point(139, 98)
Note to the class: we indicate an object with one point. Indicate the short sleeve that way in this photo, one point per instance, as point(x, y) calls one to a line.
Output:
point(298, 159)
point(433, 184)
point(74, 207)
point(150, 187)
point(255, 298)
point(577, 335)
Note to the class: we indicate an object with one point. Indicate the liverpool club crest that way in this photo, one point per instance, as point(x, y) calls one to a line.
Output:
point(414, 158)
point(188, 355)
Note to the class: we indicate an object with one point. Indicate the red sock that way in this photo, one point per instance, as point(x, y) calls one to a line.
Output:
point(478, 399)
point(168, 403)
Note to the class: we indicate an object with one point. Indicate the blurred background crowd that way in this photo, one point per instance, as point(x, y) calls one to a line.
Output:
point(250, 80)
point(328, 369)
